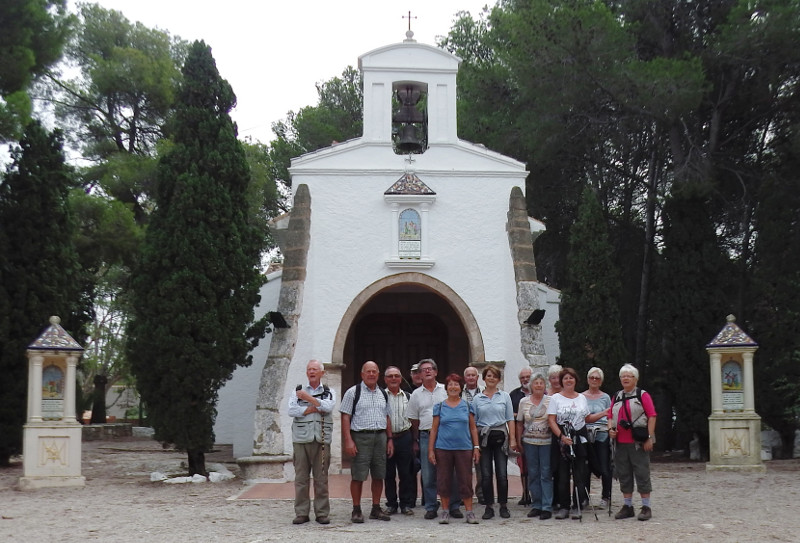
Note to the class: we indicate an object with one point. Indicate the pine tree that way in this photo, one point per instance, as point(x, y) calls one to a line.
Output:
point(589, 329)
point(198, 282)
point(39, 271)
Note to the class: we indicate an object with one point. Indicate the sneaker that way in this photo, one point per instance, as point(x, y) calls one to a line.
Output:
point(445, 518)
point(323, 520)
point(504, 512)
point(489, 513)
point(544, 515)
point(646, 513)
point(456, 513)
point(534, 513)
point(471, 518)
point(625, 512)
point(430, 515)
point(391, 510)
point(378, 514)
point(407, 511)
point(562, 514)
point(602, 505)
point(300, 519)
point(357, 517)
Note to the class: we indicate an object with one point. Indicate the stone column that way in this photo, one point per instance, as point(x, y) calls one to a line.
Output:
point(716, 382)
point(35, 389)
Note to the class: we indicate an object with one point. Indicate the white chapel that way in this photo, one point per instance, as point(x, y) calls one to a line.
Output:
point(405, 243)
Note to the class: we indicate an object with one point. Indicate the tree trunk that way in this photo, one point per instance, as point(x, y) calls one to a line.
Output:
point(197, 462)
point(99, 400)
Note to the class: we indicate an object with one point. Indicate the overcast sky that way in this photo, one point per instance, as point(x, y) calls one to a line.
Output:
point(273, 52)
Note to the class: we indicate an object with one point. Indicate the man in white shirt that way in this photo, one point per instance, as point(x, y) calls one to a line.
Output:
point(312, 429)
point(420, 412)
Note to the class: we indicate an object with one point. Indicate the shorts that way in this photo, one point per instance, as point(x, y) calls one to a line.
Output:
point(371, 456)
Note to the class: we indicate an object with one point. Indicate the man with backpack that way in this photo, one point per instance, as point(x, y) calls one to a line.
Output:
point(367, 438)
point(400, 466)
point(312, 429)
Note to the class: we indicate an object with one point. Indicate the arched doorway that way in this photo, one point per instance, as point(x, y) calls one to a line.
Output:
point(403, 318)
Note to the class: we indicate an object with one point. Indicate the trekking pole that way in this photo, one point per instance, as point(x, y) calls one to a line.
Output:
point(591, 507)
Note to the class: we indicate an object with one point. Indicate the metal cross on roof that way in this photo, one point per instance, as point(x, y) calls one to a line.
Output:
point(409, 17)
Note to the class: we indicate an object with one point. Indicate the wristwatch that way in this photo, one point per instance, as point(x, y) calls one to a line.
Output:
point(652, 438)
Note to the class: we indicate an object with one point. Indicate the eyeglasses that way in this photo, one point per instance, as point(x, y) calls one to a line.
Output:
point(594, 377)
point(393, 376)
point(426, 369)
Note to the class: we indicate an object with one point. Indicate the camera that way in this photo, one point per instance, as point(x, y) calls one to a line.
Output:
point(625, 424)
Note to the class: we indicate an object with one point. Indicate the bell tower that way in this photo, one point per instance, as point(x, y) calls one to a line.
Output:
point(409, 96)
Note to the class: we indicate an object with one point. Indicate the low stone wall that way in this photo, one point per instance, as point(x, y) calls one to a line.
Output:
point(98, 432)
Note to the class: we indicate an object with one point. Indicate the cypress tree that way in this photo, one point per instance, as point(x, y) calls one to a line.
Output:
point(39, 271)
point(691, 303)
point(589, 329)
point(198, 281)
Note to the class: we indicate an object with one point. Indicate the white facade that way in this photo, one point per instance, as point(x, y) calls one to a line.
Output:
point(352, 252)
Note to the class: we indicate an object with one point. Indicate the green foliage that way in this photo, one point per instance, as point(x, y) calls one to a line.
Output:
point(128, 74)
point(589, 328)
point(198, 282)
point(32, 34)
point(335, 118)
point(39, 271)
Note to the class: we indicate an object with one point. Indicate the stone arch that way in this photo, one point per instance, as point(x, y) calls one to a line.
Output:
point(476, 349)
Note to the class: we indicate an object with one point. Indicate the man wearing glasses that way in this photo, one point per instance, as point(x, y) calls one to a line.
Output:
point(420, 412)
point(400, 466)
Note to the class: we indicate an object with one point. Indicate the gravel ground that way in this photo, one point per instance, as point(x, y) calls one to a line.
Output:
point(120, 504)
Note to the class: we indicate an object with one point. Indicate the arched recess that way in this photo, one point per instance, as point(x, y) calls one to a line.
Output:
point(425, 283)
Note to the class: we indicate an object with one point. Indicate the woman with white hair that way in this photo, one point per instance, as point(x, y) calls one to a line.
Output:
point(633, 426)
point(599, 446)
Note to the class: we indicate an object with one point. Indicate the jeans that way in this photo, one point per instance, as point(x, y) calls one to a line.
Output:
point(540, 481)
point(400, 466)
point(429, 478)
point(493, 454)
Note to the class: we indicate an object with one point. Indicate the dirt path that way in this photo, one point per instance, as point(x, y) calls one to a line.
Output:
point(120, 504)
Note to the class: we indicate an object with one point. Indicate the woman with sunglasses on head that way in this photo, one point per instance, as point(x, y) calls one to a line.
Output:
point(599, 444)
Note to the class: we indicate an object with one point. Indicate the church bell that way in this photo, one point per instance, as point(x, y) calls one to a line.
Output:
point(409, 117)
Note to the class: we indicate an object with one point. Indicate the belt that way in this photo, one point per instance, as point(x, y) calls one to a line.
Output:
point(424, 431)
point(369, 431)
point(398, 434)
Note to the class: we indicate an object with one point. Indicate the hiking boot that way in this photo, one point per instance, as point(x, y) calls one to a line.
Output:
point(430, 515)
point(378, 514)
point(645, 514)
point(534, 513)
point(626, 511)
point(323, 520)
point(489, 513)
point(407, 511)
point(356, 516)
point(575, 513)
point(456, 513)
point(300, 519)
point(391, 510)
point(504, 512)
point(562, 514)
point(471, 518)
point(445, 518)
point(544, 515)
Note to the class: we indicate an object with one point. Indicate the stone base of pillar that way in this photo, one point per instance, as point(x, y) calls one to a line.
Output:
point(735, 442)
point(266, 469)
point(32, 483)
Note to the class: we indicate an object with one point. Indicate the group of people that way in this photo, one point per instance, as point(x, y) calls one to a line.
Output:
point(444, 430)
